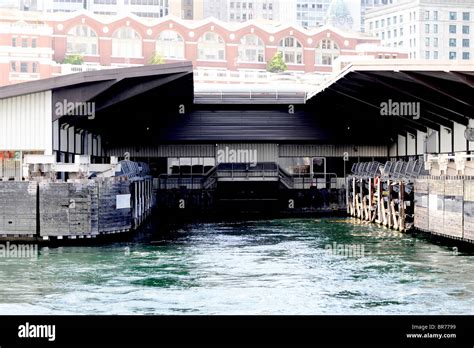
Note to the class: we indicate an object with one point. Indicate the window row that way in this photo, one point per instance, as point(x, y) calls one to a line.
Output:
point(24, 42)
point(452, 55)
point(24, 67)
point(126, 42)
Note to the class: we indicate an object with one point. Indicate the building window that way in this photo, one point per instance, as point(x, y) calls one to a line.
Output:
point(394, 19)
point(452, 29)
point(452, 42)
point(24, 67)
point(435, 15)
point(292, 50)
point(126, 43)
point(427, 28)
point(435, 54)
point(170, 44)
point(427, 54)
point(376, 24)
point(394, 32)
point(452, 16)
point(465, 29)
point(427, 42)
point(388, 22)
point(452, 55)
point(33, 43)
point(466, 16)
point(435, 42)
point(371, 24)
point(326, 52)
point(211, 46)
point(465, 42)
point(426, 15)
point(401, 18)
point(435, 28)
point(14, 42)
point(34, 67)
point(13, 67)
point(81, 39)
point(401, 31)
point(251, 49)
point(465, 55)
point(24, 42)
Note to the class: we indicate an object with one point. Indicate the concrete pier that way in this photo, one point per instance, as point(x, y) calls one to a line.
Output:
point(398, 197)
point(75, 209)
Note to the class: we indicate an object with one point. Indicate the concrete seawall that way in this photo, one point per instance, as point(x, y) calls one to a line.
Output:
point(73, 210)
point(445, 206)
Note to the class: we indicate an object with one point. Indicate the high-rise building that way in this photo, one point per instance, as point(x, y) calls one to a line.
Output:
point(244, 10)
point(348, 14)
point(427, 29)
point(187, 9)
point(141, 8)
point(366, 5)
point(312, 13)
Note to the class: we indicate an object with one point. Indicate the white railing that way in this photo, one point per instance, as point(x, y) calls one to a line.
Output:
point(257, 76)
point(71, 69)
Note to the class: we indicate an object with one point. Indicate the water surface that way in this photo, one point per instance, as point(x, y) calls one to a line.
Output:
point(280, 266)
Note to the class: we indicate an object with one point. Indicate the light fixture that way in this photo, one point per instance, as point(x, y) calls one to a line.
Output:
point(469, 134)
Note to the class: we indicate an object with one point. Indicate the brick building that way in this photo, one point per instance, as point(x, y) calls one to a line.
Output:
point(131, 40)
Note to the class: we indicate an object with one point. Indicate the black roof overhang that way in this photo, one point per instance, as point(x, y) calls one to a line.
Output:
point(354, 101)
point(126, 101)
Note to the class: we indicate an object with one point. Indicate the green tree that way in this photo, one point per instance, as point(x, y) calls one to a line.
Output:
point(156, 58)
point(74, 59)
point(277, 64)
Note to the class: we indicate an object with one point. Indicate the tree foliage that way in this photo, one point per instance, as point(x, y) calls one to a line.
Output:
point(277, 64)
point(74, 59)
point(156, 58)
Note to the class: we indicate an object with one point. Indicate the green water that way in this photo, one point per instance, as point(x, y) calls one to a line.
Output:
point(281, 266)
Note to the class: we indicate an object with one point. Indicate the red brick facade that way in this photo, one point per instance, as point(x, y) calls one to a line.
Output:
point(191, 31)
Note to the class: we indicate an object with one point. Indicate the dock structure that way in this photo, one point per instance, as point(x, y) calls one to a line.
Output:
point(80, 208)
point(388, 142)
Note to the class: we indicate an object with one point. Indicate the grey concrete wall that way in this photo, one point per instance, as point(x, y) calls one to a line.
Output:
point(72, 209)
point(17, 208)
point(445, 206)
point(65, 209)
point(110, 218)
point(469, 210)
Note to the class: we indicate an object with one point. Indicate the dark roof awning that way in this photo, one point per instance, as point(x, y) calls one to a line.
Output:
point(104, 78)
point(361, 95)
